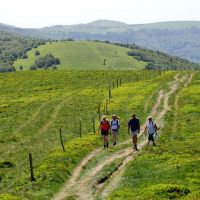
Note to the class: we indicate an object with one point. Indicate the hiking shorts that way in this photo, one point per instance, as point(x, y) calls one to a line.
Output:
point(114, 131)
point(151, 137)
point(104, 132)
point(134, 133)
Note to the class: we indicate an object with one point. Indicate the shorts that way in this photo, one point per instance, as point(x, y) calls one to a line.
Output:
point(134, 133)
point(151, 137)
point(104, 132)
point(114, 131)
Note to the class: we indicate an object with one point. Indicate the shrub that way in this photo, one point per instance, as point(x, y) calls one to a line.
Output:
point(37, 53)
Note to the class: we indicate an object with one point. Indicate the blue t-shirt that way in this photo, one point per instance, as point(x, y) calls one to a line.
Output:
point(134, 124)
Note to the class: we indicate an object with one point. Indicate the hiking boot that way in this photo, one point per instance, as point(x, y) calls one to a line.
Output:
point(114, 143)
point(135, 147)
point(104, 146)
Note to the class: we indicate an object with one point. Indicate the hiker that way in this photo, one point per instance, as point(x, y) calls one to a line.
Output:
point(134, 129)
point(105, 129)
point(114, 126)
point(151, 129)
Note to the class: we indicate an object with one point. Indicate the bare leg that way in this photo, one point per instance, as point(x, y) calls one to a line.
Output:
point(135, 142)
point(106, 141)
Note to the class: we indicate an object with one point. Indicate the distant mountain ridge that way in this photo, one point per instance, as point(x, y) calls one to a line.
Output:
point(181, 38)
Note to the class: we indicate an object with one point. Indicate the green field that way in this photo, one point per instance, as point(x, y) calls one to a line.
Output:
point(34, 105)
point(172, 169)
point(83, 55)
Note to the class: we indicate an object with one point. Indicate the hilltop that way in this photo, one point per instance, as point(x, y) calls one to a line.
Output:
point(180, 38)
point(91, 55)
point(84, 55)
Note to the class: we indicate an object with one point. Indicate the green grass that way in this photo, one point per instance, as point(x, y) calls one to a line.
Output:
point(172, 169)
point(84, 55)
point(34, 105)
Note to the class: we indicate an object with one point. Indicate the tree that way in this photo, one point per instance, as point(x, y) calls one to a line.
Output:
point(33, 67)
point(37, 53)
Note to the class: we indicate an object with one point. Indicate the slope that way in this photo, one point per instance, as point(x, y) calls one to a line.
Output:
point(179, 38)
point(34, 105)
point(84, 55)
point(84, 182)
point(13, 46)
point(171, 170)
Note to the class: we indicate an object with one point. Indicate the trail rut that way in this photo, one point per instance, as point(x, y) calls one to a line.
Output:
point(83, 188)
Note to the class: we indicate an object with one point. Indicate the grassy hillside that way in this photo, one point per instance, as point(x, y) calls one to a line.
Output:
point(172, 169)
point(14, 46)
point(84, 55)
point(180, 38)
point(34, 105)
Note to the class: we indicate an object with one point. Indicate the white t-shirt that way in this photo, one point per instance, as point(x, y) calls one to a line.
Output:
point(150, 127)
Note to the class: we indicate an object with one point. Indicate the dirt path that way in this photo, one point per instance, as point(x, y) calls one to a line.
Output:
point(176, 103)
point(82, 188)
point(114, 181)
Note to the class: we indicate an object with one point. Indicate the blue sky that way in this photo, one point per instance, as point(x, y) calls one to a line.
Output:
point(40, 13)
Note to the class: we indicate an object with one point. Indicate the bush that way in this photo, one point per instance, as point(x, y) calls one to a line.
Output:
point(7, 69)
point(37, 53)
point(33, 67)
point(47, 61)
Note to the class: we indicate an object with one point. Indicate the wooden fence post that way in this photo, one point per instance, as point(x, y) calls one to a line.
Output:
point(106, 108)
point(93, 121)
point(80, 128)
point(109, 93)
point(137, 77)
point(113, 84)
point(61, 140)
point(31, 167)
point(117, 83)
point(99, 112)
point(120, 81)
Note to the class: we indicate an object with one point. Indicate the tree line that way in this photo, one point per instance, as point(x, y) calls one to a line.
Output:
point(13, 47)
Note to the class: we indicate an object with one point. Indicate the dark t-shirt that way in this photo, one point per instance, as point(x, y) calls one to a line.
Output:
point(134, 124)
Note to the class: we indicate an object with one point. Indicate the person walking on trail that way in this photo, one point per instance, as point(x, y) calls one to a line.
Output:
point(151, 129)
point(134, 129)
point(114, 126)
point(105, 129)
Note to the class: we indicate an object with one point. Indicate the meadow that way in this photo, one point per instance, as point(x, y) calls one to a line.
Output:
point(84, 55)
point(34, 105)
point(172, 169)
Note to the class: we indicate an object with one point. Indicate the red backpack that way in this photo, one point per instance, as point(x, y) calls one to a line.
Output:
point(105, 125)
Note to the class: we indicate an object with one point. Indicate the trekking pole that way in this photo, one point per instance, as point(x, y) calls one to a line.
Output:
point(61, 140)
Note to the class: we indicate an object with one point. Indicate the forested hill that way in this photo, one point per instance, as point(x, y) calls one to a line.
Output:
point(179, 38)
point(12, 47)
